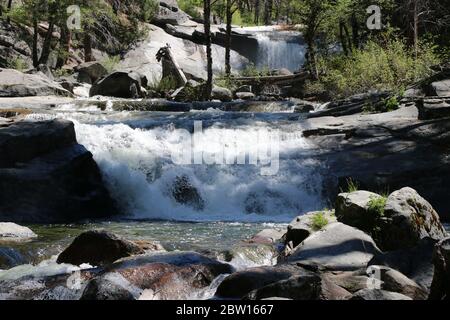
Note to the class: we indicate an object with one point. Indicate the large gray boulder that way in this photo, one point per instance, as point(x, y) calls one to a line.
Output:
point(376, 294)
point(302, 287)
point(433, 108)
point(353, 209)
point(303, 226)
point(395, 281)
point(98, 247)
point(46, 176)
point(120, 85)
point(441, 88)
point(241, 283)
point(12, 231)
point(336, 247)
point(415, 263)
point(14, 83)
point(440, 287)
point(408, 219)
point(93, 71)
point(222, 94)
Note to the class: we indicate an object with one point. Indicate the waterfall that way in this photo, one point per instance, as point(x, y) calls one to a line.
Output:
point(134, 155)
point(277, 53)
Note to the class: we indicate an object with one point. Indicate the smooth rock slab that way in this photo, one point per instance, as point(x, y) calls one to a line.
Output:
point(336, 247)
point(12, 231)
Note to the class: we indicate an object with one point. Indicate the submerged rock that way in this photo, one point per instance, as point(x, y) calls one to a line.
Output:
point(98, 247)
point(176, 275)
point(12, 231)
point(46, 176)
point(10, 257)
point(336, 247)
point(185, 193)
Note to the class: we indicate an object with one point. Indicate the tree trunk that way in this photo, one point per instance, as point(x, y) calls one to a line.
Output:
point(229, 17)
point(268, 12)
point(35, 41)
point(355, 31)
point(9, 9)
point(87, 43)
point(416, 28)
point(46, 47)
point(64, 47)
point(207, 26)
point(257, 12)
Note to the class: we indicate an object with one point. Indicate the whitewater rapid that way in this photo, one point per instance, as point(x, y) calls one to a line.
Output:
point(135, 154)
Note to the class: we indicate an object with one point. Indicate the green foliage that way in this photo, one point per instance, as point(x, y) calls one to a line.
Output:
point(191, 7)
point(318, 221)
point(110, 63)
point(352, 186)
point(164, 85)
point(378, 66)
point(376, 206)
point(18, 64)
point(251, 70)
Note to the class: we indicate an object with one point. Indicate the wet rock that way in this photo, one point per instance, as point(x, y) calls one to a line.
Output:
point(303, 287)
point(241, 283)
point(45, 176)
point(176, 275)
point(415, 263)
point(14, 83)
point(440, 287)
point(336, 247)
point(408, 218)
point(375, 294)
point(93, 71)
point(185, 193)
point(111, 286)
point(267, 236)
point(303, 226)
point(10, 257)
point(248, 254)
point(120, 85)
point(98, 247)
point(222, 94)
point(11, 231)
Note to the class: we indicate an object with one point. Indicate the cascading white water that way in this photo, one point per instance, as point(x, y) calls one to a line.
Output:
point(135, 157)
point(280, 52)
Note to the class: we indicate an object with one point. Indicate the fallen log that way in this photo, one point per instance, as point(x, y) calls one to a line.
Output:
point(273, 80)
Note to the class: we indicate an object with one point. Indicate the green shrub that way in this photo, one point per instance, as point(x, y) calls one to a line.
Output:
point(380, 65)
point(318, 221)
point(18, 64)
point(376, 206)
point(110, 63)
point(352, 186)
point(163, 85)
